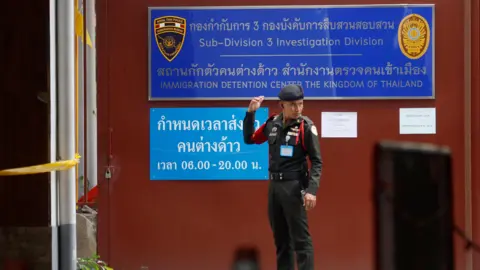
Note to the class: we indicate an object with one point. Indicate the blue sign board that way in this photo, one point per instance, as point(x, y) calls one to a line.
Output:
point(334, 52)
point(204, 144)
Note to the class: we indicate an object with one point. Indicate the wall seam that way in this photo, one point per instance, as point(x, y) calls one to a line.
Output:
point(468, 127)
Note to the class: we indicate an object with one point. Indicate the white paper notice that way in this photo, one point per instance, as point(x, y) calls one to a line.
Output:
point(339, 124)
point(417, 121)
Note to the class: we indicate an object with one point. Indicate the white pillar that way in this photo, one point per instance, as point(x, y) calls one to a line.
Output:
point(53, 132)
point(80, 103)
point(91, 100)
point(66, 132)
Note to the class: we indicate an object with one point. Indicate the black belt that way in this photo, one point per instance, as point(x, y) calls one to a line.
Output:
point(287, 176)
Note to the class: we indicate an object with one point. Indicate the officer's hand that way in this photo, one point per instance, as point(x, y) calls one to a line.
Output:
point(255, 103)
point(309, 201)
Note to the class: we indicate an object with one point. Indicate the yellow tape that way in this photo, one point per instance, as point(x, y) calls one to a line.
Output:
point(79, 31)
point(43, 168)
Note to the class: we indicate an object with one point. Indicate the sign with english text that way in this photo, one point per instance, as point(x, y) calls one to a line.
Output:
point(334, 52)
point(205, 144)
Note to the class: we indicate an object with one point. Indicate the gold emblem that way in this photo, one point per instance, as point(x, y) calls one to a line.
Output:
point(170, 34)
point(414, 36)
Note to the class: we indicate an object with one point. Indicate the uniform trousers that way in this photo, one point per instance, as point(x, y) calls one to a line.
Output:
point(288, 220)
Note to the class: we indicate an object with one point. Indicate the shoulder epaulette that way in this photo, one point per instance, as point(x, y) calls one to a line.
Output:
point(307, 120)
point(272, 116)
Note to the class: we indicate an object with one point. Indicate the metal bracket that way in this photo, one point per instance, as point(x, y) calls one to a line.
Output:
point(108, 173)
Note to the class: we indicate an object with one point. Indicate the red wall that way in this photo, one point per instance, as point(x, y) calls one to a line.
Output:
point(475, 116)
point(197, 225)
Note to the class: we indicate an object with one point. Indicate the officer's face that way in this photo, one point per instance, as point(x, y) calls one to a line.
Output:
point(292, 109)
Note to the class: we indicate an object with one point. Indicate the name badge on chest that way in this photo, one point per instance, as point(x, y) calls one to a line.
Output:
point(286, 150)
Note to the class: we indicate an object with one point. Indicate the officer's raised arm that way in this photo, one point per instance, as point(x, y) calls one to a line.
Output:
point(312, 145)
point(250, 136)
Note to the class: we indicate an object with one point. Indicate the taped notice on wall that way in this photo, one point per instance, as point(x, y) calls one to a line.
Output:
point(339, 124)
point(417, 120)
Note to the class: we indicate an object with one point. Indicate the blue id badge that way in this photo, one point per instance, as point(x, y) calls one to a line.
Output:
point(286, 150)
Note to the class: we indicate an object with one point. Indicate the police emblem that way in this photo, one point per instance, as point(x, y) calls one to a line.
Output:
point(170, 34)
point(414, 36)
point(314, 130)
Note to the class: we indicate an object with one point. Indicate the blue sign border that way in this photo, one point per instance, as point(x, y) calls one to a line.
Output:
point(432, 40)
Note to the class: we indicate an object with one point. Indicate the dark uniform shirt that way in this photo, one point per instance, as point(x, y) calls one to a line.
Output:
point(301, 134)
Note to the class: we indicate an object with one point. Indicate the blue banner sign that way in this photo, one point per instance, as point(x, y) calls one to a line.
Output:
point(204, 144)
point(334, 52)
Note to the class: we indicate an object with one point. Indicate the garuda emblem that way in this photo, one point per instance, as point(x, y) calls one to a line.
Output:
point(170, 34)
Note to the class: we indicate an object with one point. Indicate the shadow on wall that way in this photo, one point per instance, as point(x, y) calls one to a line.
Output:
point(246, 258)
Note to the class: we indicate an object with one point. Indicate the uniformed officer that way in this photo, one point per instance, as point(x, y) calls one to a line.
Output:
point(291, 137)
